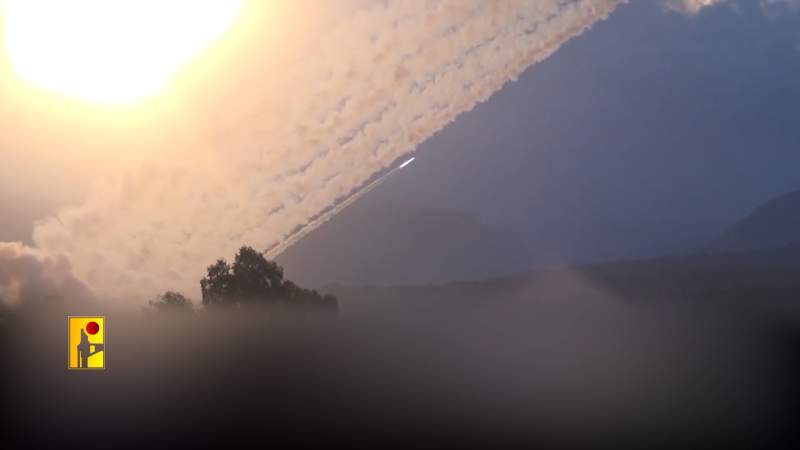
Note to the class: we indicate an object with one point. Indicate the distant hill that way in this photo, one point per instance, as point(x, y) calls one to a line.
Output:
point(389, 243)
point(383, 243)
point(755, 277)
point(774, 224)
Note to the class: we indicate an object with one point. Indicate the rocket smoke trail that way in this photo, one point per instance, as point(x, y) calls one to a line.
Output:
point(330, 212)
point(300, 142)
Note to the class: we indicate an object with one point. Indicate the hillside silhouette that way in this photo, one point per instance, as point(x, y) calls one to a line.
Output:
point(774, 224)
point(757, 276)
point(403, 244)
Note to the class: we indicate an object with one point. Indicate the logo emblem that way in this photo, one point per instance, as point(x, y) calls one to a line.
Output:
point(87, 348)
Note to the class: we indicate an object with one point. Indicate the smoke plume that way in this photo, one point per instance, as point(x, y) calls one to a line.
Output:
point(302, 138)
point(28, 275)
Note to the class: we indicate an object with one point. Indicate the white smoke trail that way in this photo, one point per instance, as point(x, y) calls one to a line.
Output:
point(327, 215)
point(293, 150)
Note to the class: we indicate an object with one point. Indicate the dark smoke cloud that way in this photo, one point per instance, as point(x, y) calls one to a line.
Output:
point(27, 275)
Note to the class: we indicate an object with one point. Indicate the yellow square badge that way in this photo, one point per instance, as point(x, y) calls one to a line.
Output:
point(87, 342)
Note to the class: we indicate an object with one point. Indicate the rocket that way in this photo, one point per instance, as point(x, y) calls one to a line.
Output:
point(407, 162)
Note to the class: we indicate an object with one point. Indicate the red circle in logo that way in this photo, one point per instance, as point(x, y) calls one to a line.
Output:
point(92, 327)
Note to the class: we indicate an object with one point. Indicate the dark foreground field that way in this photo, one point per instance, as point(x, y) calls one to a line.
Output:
point(682, 351)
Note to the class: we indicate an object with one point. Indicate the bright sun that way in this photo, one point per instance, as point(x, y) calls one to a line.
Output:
point(109, 51)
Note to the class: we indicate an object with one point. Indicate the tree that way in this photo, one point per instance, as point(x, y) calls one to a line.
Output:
point(254, 280)
point(172, 302)
point(217, 286)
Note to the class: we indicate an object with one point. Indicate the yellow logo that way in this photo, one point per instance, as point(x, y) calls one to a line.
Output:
point(87, 349)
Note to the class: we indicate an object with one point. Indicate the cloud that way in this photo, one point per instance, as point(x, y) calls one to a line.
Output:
point(691, 7)
point(293, 140)
point(28, 275)
point(775, 7)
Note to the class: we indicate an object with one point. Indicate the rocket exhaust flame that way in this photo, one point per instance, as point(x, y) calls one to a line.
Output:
point(407, 163)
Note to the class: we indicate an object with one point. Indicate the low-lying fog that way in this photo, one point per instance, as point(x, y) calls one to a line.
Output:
point(555, 356)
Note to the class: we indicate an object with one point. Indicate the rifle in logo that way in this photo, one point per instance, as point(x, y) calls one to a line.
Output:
point(87, 348)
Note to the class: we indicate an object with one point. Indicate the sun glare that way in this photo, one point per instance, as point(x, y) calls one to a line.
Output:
point(109, 51)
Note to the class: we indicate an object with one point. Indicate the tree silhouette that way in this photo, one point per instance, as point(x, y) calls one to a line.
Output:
point(172, 302)
point(254, 280)
point(217, 286)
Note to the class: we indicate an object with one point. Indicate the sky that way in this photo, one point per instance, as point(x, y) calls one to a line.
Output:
point(665, 119)
point(654, 124)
